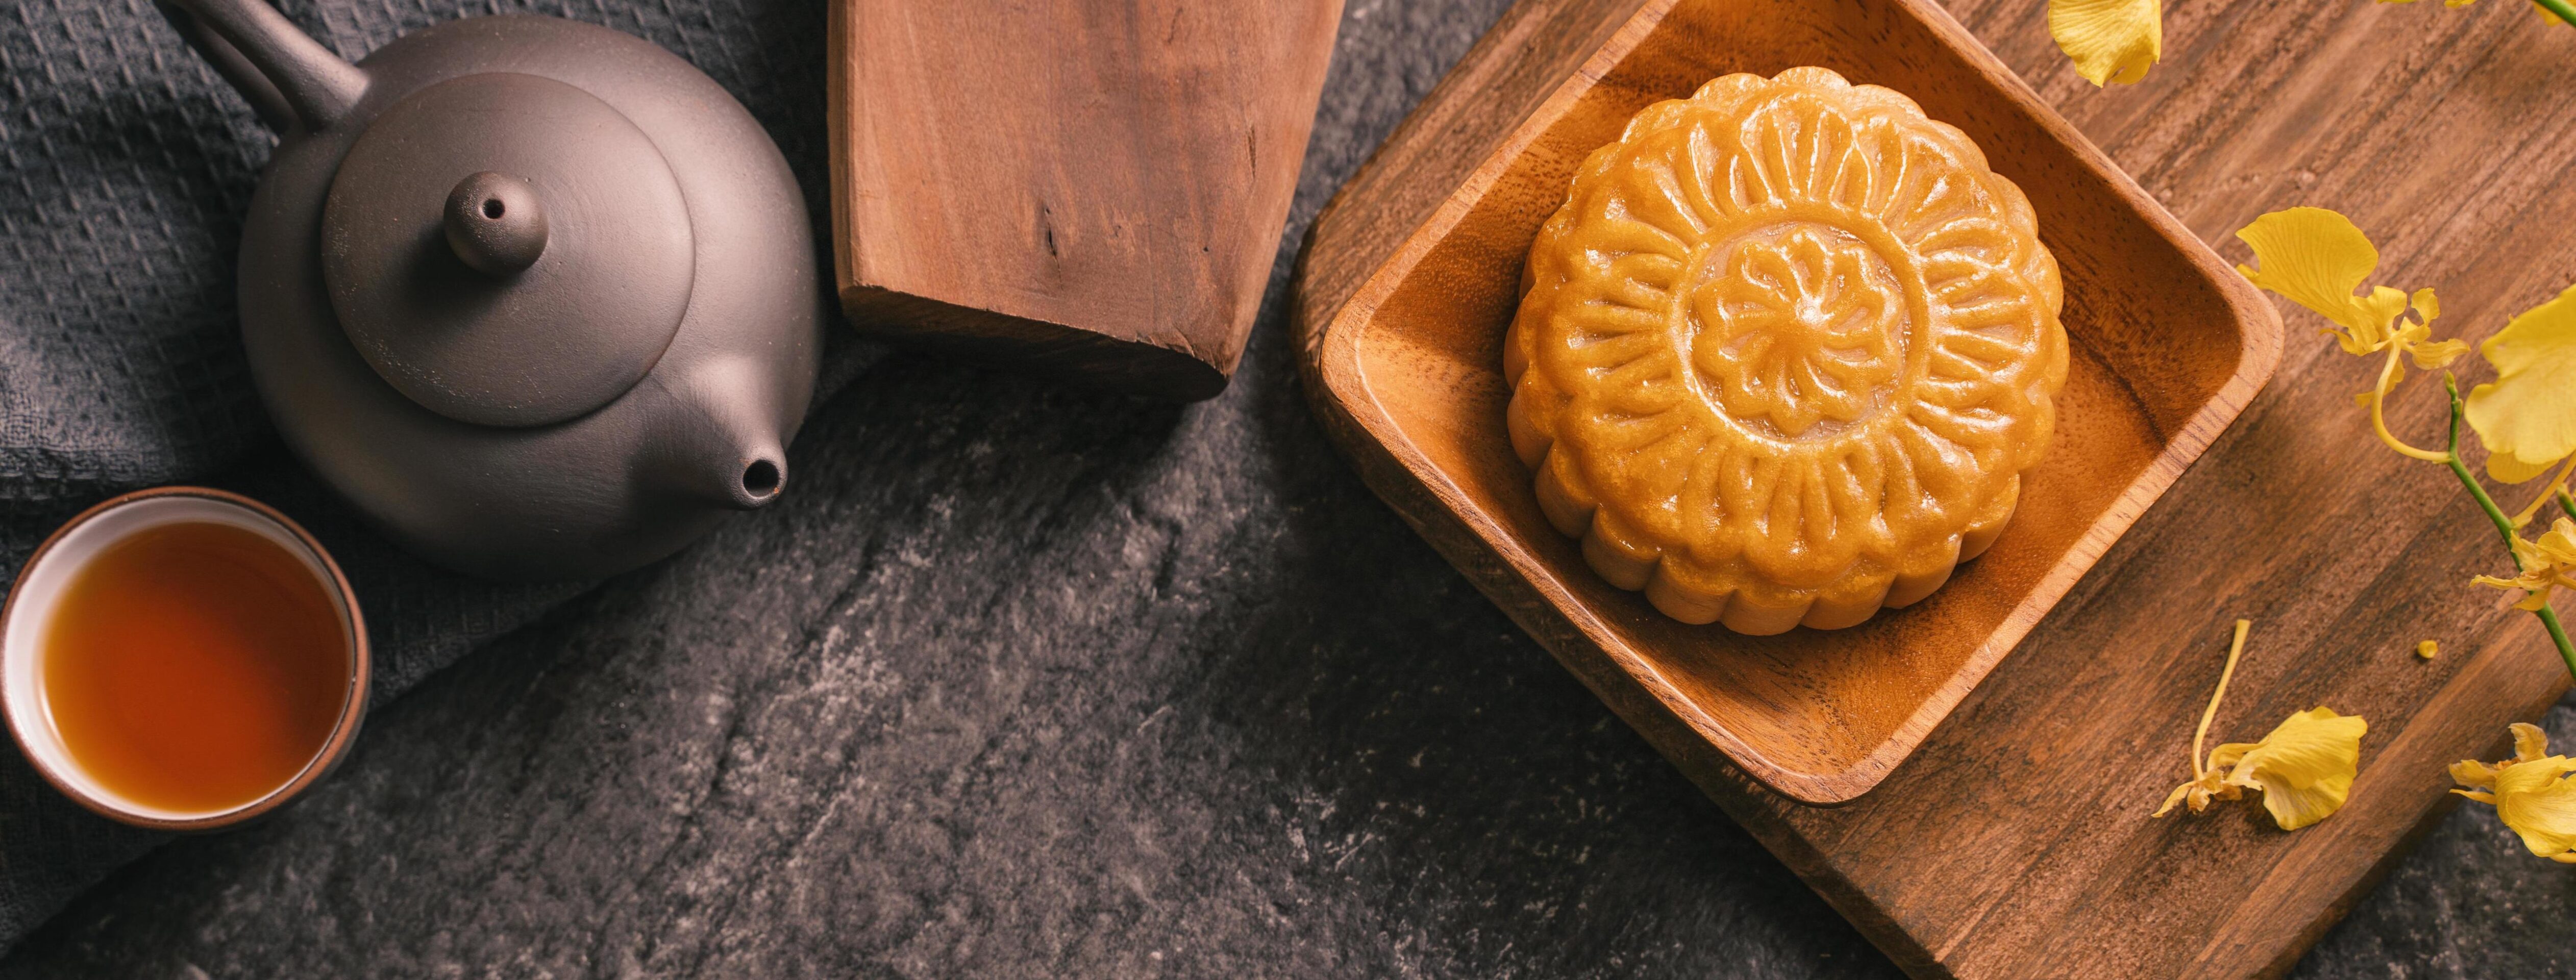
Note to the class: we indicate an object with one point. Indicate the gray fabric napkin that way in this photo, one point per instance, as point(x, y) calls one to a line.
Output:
point(125, 165)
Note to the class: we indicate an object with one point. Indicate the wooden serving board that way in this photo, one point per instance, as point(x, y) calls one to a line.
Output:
point(1409, 378)
point(1089, 190)
point(2016, 842)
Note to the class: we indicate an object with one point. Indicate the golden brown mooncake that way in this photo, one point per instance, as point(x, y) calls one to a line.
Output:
point(1785, 353)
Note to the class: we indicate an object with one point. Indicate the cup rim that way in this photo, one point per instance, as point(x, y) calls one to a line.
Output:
point(343, 733)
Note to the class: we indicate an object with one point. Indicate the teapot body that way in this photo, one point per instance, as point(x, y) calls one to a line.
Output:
point(699, 435)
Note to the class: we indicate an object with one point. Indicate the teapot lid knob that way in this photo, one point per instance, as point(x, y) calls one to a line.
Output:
point(507, 249)
point(495, 223)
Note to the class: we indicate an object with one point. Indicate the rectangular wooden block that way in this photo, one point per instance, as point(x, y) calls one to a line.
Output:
point(1093, 190)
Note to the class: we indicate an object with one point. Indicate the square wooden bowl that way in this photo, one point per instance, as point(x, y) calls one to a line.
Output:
point(2168, 345)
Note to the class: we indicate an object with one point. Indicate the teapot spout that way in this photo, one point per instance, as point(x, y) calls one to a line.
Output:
point(291, 79)
point(760, 481)
point(742, 480)
point(739, 470)
point(720, 446)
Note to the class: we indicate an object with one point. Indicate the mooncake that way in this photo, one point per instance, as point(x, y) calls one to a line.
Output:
point(1785, 354)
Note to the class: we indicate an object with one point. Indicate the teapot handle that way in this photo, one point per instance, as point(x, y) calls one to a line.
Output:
point(290, 79)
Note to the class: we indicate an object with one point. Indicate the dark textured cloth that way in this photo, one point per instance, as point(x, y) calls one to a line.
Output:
point(125, 166)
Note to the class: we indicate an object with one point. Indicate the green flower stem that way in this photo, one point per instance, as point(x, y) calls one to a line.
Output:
point(2560, 9)
point(2503, 524)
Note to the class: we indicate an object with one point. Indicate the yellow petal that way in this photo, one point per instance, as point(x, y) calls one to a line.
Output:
point(2529, 411)
point(2558, 547)
point(2199, 801)
point(2318, 258)
point(2109, 40)
point(2437, 355)
point(2529, 742)
point(2510, 469)
point(2305, 766)
point(2547, 564)
point(2198, 792)
point(2172, 798)
point(2371, 315)
point(2471, 772)
point(2533, 585)
point(2536, 800)
point(2228, 754)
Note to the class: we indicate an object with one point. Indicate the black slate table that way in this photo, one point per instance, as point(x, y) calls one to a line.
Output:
point(1020, 682)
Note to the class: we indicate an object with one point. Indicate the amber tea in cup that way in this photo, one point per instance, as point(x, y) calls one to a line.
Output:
point(182, 659)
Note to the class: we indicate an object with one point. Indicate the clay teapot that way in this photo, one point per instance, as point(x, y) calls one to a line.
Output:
point(537, 296)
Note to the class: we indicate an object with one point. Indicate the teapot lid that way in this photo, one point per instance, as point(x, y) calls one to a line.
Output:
point(507, 250)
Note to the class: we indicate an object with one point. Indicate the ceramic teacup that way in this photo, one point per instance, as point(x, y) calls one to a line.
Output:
point(40, 591)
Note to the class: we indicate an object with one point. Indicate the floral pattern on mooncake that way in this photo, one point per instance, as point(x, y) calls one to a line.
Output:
point(1785, 353)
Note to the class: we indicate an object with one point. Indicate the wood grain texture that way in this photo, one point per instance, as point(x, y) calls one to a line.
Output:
point(2016, 842)
point(1090, 190)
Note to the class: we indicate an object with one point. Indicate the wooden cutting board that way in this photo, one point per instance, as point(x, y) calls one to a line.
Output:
point(1090, 190)
point(2016, 842)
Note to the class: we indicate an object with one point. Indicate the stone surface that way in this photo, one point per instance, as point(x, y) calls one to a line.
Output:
point(1017, 682)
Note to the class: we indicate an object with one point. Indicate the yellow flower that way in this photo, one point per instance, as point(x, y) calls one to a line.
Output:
point(2527, 415)
point(2317, 258)
point(2530, 793)
point(2304, 768)
point(2109, 40)
point(2428, 649)
point(2546, 564)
